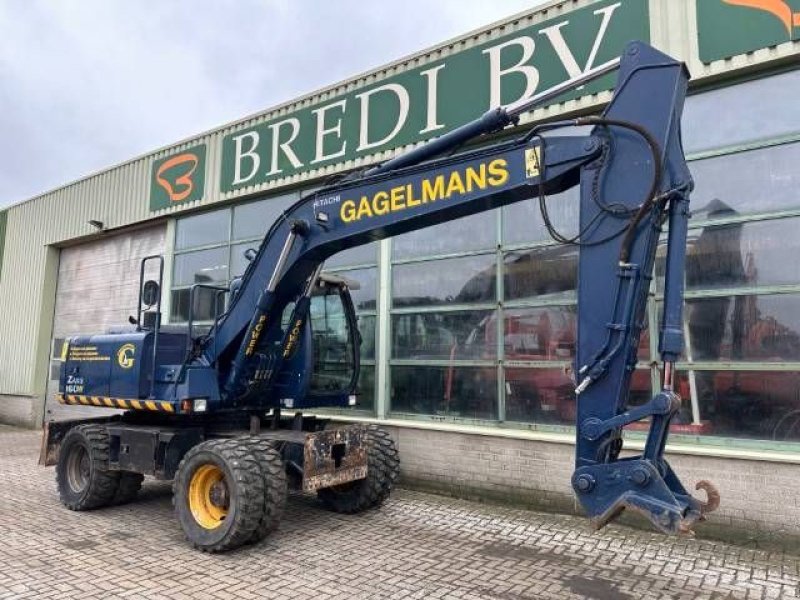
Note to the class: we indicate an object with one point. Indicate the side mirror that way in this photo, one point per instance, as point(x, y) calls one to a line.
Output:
point(250, 254)
point(150, 293)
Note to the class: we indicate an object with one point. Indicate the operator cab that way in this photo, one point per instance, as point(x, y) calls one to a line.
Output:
point(332, 329)
point(330, 342)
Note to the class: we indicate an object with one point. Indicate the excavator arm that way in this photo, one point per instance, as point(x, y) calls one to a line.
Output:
point(633, 180)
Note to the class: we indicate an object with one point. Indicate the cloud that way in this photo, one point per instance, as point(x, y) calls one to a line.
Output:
point(85, 84)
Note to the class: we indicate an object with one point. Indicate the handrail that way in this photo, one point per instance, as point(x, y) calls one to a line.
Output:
point(140, 312)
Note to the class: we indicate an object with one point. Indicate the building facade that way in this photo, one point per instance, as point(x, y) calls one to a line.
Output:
point(469, 326)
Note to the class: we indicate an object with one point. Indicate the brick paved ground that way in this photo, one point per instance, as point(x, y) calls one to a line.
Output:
point(416, 546)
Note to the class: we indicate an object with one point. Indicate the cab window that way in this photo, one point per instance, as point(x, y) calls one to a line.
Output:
point(333, 344)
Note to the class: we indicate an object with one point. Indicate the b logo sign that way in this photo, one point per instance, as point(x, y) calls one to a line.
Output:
point(125, 355)
point(181, 186)
point(178, 178)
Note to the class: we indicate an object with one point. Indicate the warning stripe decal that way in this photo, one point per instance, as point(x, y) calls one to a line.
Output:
point(125, 403)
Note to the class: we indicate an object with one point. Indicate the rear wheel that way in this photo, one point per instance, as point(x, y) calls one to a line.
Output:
point(82, 475)
point(383, 468)
point(218, 493)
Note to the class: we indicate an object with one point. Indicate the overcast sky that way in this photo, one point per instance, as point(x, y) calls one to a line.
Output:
point(86, 84)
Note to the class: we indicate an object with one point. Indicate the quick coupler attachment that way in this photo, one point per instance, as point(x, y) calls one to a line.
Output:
point(606, 490)
point(644, 483)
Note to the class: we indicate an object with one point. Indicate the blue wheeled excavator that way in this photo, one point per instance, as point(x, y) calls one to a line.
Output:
point(206, 410)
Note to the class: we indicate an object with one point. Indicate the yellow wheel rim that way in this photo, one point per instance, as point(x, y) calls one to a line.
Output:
point(208, 509)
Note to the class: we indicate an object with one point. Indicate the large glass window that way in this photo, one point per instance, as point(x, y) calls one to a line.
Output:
point(209, 249)
point(253, 220)
point(522, 221)
point(444, 355)
point(753, 110)
point(548, 272)
point(756, 181)
point(452, 335)
point(464, 280)
point(360, 255)
point(743, 403)
point(748, 328)
point(446, 391)
point(476, 232)
point(202, 230)
point(741, 255)
point(540, 333)
point(201, 266)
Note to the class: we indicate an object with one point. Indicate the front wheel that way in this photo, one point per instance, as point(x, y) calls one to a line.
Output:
point(218, 493)
point(383, 468)
point(273, 474)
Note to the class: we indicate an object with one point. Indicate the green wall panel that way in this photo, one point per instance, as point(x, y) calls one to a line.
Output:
point(730, 27)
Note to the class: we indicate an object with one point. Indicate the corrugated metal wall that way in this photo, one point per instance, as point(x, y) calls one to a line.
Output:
point(119, 196)
point(3, 216)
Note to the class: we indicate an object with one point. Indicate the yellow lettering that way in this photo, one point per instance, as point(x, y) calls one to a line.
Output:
point(455, 184)
point(380, 203)
point(348, 211)
point(476, 179)
point(434, 191)
point(398, 199)
point(364, 209)
point(410, 200)
point(498, 172)
point(294, 335)
point(440, 187)
point(251, 346)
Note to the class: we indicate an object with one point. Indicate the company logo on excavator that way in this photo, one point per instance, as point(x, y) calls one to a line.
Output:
point(778, 8)
point(432, 189)
point(125, 355)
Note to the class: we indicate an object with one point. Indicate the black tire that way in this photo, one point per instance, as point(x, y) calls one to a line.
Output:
point(273, 472)
point(82, 475)
point(129, 485)
point(383, 469)
point(243, 484)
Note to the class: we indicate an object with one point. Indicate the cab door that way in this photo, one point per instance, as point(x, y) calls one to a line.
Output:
point(335, 342)
point(321, 368)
